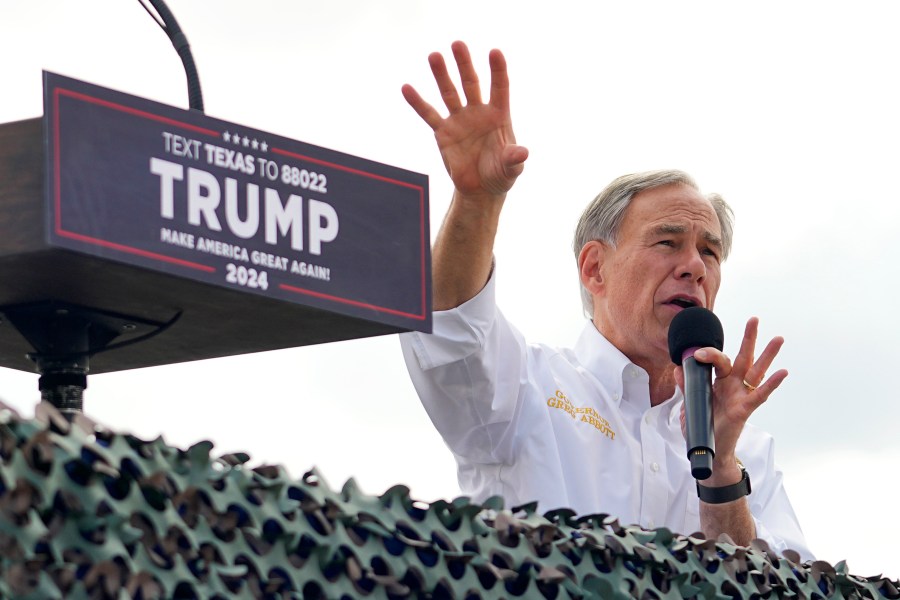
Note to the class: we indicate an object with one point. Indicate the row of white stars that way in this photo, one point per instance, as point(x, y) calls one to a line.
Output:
point(238, 140)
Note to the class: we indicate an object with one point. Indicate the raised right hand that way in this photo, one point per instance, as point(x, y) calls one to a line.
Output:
point(476, 140)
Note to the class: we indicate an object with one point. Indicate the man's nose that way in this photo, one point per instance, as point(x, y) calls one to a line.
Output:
point(691, 265)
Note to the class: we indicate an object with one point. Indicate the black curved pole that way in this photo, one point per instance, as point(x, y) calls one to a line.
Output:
point(179, 40)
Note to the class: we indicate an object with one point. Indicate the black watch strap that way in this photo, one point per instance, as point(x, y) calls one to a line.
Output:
point(726, 493)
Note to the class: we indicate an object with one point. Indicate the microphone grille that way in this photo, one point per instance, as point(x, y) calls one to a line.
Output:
point(694, 327)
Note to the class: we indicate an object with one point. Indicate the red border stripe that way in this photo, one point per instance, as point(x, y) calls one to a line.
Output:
point(134, 111)
point(305, 292)
point(319, 161)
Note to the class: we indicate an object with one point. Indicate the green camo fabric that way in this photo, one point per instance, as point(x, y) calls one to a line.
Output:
point(89, 513)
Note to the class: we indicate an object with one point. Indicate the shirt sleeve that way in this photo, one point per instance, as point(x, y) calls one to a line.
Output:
point(467, 373)
point(775, 519)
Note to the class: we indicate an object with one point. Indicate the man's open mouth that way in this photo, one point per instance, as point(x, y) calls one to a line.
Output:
point(682, 302)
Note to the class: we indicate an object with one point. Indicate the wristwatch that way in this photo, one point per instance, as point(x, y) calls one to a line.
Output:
point(726, 493)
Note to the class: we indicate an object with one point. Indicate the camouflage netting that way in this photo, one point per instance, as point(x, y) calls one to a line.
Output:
point(88, 513)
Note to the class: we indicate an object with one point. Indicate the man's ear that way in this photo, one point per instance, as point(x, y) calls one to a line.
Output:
point(590, 266)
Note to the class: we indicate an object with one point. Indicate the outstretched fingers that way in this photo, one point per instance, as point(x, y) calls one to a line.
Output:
point(757, 372)
point(449, 93)
point(499, 81)
point(753, 371)
point(467, 75)
point(426, 111)
point(744, 359)
point(765, 389)
point(476, 140)
point(445, 84)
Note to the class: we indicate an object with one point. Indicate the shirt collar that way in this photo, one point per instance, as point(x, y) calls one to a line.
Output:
point(603, 360)
point(609, 365)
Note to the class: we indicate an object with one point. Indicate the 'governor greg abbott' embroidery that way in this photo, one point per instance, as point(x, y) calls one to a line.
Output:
point(584, 414)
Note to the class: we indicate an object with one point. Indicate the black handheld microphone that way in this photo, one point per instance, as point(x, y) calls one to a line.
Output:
point(691, 329)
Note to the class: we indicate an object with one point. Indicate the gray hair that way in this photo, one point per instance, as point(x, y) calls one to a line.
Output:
point(602, 218)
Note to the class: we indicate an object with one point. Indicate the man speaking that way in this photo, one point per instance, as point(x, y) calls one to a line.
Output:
point(595, 428)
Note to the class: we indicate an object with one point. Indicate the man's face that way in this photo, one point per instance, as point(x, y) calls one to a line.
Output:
point(666, 259)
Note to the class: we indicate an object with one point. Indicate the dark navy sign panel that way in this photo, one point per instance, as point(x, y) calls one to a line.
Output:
point(171, 190)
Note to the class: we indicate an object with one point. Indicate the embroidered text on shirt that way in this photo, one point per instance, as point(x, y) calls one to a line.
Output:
point(587, 414)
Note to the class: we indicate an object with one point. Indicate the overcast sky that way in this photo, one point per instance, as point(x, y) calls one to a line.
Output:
point(789, 110)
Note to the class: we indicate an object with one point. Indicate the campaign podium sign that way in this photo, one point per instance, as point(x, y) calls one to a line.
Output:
point(260, 242)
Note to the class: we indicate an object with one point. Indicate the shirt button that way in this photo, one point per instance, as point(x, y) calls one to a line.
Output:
point(616, 396)
point(650, 524)
point(647, 418)
point(655, 467)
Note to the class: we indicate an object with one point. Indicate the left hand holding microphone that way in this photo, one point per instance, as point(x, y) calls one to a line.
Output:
point(739, 389)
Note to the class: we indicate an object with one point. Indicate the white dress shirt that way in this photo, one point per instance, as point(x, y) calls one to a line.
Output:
point(572, 428)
